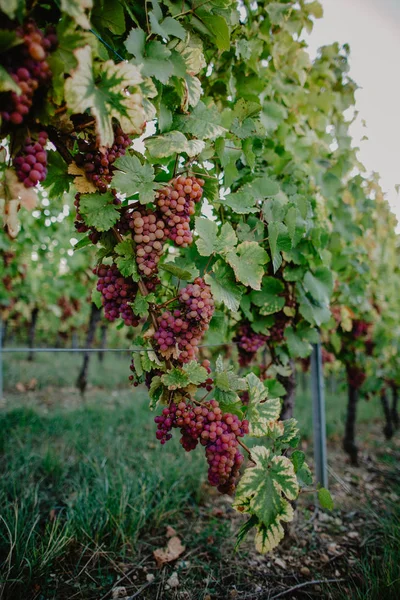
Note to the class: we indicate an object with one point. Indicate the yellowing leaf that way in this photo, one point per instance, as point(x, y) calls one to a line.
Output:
point(262, 413)
point(108, 96)
point(13, 195)
point(82, 184)
point(77, 10)
point(263, 491)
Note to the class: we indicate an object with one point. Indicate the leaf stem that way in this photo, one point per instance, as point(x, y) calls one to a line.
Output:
point(245, 448)
point(160, 306)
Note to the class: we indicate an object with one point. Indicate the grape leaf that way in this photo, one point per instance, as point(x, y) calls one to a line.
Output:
point(140, 305)
point(108, 16)
point(195, 372)
point(167, 27)
point(223, 286)
point(325, 499)
point(134, 178)
point(226, 385)
point(209, 241)
point(319, 284)
point(173, 142)
point(7, 83)
point(108, 96)
point(203, 122)
point(240, 202)
point(220, 30)
point(275, 389)
point(176, 271)
point(77, 10)
point(12, 7)
point(98, 210)
point(263, 490)
point(247, 262)
point(298, 348)
point(57, 180)
point(262, 412)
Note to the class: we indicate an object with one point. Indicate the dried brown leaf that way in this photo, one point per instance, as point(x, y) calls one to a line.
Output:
point(82, 184)
point(173, 550)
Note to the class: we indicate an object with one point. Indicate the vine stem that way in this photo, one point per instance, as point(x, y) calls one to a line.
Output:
point(160, 306)
point(245, 448)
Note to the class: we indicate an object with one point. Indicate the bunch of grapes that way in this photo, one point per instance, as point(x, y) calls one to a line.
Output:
point(176, 203)
point(31, 161)
point(181, 331)
point(27, 65)
point(149, 235)
point(208, 383)
point(360, 328)
point(327, 357)
point(276, 333)
point(117, 294)
point(248, 342)
point(97, 163)
point(218, 432)
point(355, 376)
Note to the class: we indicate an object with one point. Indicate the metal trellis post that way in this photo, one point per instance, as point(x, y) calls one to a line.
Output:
point(319, 421)
point(1, 358)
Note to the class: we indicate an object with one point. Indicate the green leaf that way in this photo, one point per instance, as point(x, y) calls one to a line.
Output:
point(209, 241)
point(220, 30)
point(268, 298)
point(272, 115)
point(319, 284)
point(240, 202)
point(108, 16)
point(275, 388)
point(77, 10)
point(247, 262)
point(226, 385)
point(325, 499)
point(290, 432)
point(174, 379)
point(176, 271)
point(135, 42)
point(298, 348)
point(98, 210)
point(155, 391)
point(195, 372)
point(96, 298)
point(261, 412)
point(167, 27)
point(12, 7)
point(7, 83)
point(140, 305)
point(133, 178)
point(263, 490)
point(203, 122)
point(298, 459)
point(223, 286)
point(173, 142)
point(105, 96)
point(190, 372)
point(57, 180)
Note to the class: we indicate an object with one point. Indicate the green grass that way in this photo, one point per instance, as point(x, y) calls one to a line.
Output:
point(60, 369)
point(84, 488)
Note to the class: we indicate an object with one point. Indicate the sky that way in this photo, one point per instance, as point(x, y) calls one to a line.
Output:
point(372, 29)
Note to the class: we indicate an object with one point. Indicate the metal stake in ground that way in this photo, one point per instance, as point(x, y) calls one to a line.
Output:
point(319, 421)
point(1, 358)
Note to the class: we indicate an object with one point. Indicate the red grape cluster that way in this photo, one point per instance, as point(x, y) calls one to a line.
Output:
point(68, 307)
point(31, 161)
point(248, 342)
point(276, 333)
point(217, 431)
point(97, 163)
point(355, 376)
point(360, 328)
point(208, 383)
point(149, 235)
point(176, 203)
point(29, 68)
point(117, 293)
point(181, 331)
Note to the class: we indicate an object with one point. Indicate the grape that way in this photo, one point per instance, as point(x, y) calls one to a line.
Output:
point(28, 67)
point(218, 432)
point(248, 342)
point(149, 235)
point(181, 331)
point(355, 376)
point(208, 383)
point(97, 163)
point(176, 204)
point(31, 161)
point(117, 292)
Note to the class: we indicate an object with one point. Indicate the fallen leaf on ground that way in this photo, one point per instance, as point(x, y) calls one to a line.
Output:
point(173, 550)
point(170, 531)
